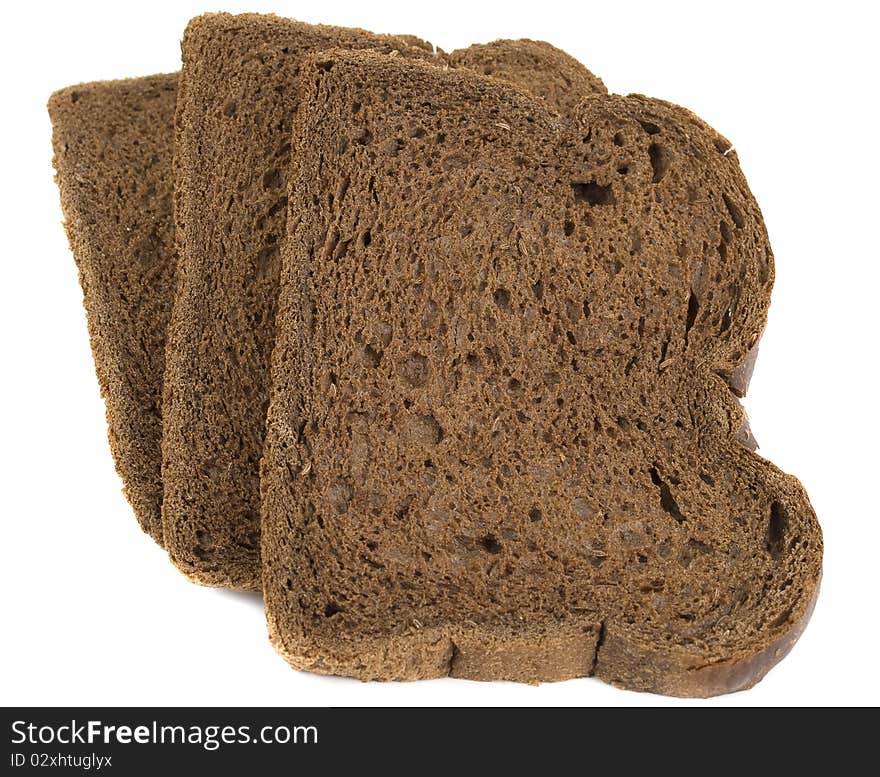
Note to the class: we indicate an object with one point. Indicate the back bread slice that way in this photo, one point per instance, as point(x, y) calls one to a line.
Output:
point(238, 97)
point(113, 143)
point(499, 445)
point(537, 67)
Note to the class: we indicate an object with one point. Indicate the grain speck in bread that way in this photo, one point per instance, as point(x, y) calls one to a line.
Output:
point(238, 95)
point(501, 442)
point(113, 144)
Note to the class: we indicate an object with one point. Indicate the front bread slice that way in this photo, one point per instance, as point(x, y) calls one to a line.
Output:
point(501, 443)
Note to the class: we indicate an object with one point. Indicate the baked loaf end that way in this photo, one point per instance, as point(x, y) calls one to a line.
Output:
point(113, 143)
point(501, 441)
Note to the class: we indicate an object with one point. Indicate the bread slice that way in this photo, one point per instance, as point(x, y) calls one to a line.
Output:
point(113, 143)
point(500, 442)
point(237, 100)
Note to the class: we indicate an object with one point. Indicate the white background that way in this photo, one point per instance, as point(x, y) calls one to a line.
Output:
point(93, 613)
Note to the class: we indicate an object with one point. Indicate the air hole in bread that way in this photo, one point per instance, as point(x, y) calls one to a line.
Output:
point(776, 529)
point(692, 312)
point(403, 508)
point(582, 508)
point(339, 496)
point(372, 357)
point(538, 290)
point(660, 161)
point(667, 501)
point(502, 298)
point(205, 543)
point(273, 179)
point(568, 228)
point(490, 544)
point(649, 127)
point(734, 210)
point(593, 193)
point(730, 310)
point(331, 609)
point(266, 258)
point(534, 515)
point(279, 205)
point(425, 430)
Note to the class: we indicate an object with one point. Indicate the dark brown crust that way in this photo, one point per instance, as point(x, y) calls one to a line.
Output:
point(744, 434)
point(591, 648)
point(739, 378)
point(112, 143)
point(550, 654)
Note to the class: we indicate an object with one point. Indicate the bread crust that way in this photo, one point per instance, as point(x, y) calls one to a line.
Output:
point(590, 649)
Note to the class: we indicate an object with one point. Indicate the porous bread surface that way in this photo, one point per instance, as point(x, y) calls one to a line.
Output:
point(237, 99)
point(113, 144)
point(501, 442)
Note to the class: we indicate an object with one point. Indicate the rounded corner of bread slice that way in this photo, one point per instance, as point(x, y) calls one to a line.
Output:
point(214, 574)
point(751, 616)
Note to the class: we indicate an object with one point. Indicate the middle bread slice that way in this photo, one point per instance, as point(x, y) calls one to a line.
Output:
point(237, 99)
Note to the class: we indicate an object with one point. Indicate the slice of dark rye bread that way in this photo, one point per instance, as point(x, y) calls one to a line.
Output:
point(113, 143)
point(237, 100)
point(499, 443)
